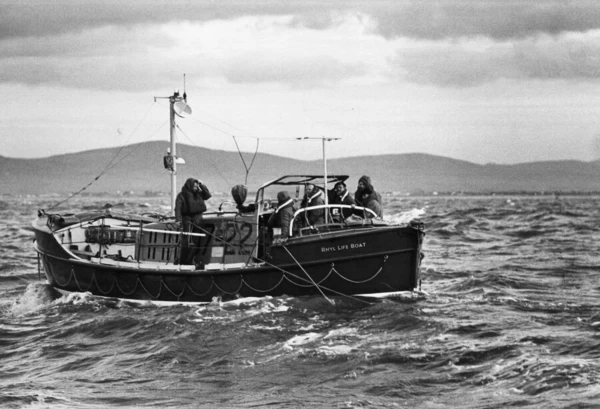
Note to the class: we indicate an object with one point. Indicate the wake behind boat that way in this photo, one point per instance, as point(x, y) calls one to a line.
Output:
point(237, 254)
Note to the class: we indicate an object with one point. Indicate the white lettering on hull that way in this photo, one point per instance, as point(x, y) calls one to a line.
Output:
point(341, 247)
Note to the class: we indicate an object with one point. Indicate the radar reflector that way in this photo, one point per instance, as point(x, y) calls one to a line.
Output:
point(182, 109)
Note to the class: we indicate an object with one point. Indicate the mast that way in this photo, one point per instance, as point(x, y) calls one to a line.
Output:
point(172, 100)
point(325, 184)
point(324, 139)
point(177, 106)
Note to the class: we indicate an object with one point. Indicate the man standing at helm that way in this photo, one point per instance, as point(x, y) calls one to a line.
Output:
point(189, 207)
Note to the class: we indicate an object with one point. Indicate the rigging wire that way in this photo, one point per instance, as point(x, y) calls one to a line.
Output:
point(131, 135)
point(226, 123)
point(210, 161)
point(137, 146)
point(248, 168)
point(112, 164)
point(234, 127)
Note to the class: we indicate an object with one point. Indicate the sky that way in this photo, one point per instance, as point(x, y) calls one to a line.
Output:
point(478, 80)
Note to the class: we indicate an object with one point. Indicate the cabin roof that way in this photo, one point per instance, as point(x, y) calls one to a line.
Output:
point(296, 180)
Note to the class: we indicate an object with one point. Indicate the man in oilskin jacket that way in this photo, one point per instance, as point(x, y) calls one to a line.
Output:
point(366, 196)
point(189, 206)
point(283, 215)
point(313, 197)
point(342, 197)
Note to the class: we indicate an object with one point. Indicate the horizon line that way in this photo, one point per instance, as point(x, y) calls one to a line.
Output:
point(302, 160)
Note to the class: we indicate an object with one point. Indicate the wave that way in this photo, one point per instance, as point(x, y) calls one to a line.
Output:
point(512, 308)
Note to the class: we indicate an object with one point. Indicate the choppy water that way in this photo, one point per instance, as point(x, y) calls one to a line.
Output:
point(512, 320)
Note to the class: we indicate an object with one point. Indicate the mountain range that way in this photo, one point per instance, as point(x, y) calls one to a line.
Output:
point(139, 168)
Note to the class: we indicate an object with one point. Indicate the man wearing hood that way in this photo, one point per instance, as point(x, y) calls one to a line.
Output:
point(313, 197)
point(189, 207)
point(283, 215)
point(366, 196)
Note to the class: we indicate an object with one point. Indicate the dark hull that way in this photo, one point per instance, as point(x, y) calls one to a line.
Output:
point(346, 263)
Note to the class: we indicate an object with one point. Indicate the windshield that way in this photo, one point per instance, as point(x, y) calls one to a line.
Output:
point(295, 186)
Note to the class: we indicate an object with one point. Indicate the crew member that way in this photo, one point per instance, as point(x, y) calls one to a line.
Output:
point(341, 196)
point(283, 215)
point(366, 196)
point(313, 197)
point(189, 207)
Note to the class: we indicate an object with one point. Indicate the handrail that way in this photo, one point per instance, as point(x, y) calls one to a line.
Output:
point(328, 206)
point(158, 231)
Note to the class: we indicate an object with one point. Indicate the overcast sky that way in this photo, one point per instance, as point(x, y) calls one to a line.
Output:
point(484, 81)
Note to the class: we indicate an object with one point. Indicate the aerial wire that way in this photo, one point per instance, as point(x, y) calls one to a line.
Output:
point(210, 161)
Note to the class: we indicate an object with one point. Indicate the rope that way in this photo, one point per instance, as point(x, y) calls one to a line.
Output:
point(285, 272)
point(162, 279)
point(226, 292)
point(263, 291)
point(302, 268)
point(95, 281)
point(310, 284)
point(137, 279)
point(38, 266)
point(385, 258)
point(54, 276)
point(212, 282)
point(287, 275)
point(149, 293)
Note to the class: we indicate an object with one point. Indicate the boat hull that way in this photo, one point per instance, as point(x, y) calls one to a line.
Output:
point(346, 263)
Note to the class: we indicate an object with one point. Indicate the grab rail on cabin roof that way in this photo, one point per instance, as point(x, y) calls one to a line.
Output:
point(328, 206)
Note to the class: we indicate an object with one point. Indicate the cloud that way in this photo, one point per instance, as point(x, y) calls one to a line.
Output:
point(571, 56)
point(500, 20)
point(132, 45)
point(94, 59)
point(245, 50)
point(28, 71)
point(471, 62)
point(54, 17)
point(105, 41)
point(298, 73)
point(415, 19)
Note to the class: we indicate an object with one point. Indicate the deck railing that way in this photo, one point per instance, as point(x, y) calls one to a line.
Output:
point(339, 219)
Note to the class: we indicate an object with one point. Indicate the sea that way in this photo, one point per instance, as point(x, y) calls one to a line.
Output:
point(508, 316)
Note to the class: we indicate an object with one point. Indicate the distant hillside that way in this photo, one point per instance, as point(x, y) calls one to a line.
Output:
point(139, 168)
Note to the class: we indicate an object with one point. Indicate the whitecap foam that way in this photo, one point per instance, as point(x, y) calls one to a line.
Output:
point(303, 339)
point(76, 298)
point(229, 311)
point(341, 332)
point(334, 350)
point(35, 296)
point(407, 216)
